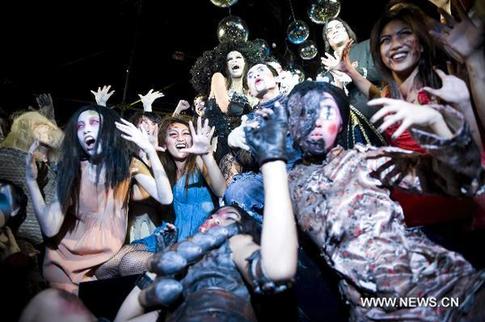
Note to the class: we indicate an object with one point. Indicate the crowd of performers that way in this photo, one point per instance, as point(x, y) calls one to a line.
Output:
point(269, 197)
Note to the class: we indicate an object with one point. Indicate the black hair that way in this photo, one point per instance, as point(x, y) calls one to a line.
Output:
point(271, 68)
point(349, 30)
point(215, 61)
point(154, 117)
point(247, 225)
point(420, 25)
point(302, 113)
point(115, 156)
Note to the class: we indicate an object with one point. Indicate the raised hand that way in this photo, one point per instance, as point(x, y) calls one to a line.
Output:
point(459, 39)
point(330, 62)
point(237, 137)
point(31, 171)
point(201, 139)
point(133, 134)
point(149, 98)
point(102, 95)
point(453, 89)
point(182, 105)
point(44, 101)
point(266, 134)
point(408, 115)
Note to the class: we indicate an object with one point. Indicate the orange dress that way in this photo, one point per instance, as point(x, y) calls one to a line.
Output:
point(98, 234)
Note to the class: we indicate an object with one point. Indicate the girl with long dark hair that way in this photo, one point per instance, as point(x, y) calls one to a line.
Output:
point(86, 223)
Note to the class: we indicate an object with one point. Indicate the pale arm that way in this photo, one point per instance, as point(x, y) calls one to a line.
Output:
point(219, 91)
point(158, 187)
point(201, 145)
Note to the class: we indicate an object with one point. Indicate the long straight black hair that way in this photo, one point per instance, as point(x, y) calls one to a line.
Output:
point(115, 156)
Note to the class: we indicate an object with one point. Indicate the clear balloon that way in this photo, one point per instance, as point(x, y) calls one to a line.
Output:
point(232, 28)
point(223, 3)
point(308, 50)
point(298, 32)
point(323, 10)
point(263, 46)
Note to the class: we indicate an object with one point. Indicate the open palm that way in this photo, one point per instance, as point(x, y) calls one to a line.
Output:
point(201, 139)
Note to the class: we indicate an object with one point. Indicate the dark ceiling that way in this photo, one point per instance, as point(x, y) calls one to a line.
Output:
point(70, 47)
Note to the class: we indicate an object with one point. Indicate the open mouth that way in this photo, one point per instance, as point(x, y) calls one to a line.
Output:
point(90, 142)
point(180, 146)
point(258, 81)
point(399, 56)
point(235, 68)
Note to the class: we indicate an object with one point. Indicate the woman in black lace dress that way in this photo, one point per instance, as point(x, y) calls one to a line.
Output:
point(219, 74)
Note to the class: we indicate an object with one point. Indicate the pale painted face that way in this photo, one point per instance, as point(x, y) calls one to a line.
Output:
point(336, 33)
point(235, 64)
point(222, 217)
point(328, 124)
point(260, 80)
point(178, 137)
point(88, 125)
point(399, 48)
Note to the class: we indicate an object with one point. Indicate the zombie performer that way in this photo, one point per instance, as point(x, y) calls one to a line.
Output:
point(342, 203)
point(87, 220)
point(219, 75)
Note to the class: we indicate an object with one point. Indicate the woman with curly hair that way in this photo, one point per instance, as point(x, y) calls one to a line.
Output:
point(219, 74)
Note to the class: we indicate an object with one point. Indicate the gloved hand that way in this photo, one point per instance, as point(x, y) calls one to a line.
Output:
point(266, 134)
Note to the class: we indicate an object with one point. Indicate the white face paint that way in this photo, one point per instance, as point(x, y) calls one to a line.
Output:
point(235, 64)
point(336, 33)
point(260, 80)
point(88, 125)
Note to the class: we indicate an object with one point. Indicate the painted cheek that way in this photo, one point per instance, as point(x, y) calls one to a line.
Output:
point(332, 129)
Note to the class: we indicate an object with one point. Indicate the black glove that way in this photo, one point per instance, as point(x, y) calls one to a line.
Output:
point(267, 140)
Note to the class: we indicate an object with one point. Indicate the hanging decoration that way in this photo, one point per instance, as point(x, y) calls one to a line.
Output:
point(232, 28)
point(298, 31)
point(323, 10)
point(223, 3)
point(263, 46)
point(308, 50)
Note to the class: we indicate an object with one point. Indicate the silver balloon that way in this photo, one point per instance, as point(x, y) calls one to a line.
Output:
point(263, 46)
point(323, 10)
point(223, 3)
point(232, 28)
point(298, 32)
point(308, 50)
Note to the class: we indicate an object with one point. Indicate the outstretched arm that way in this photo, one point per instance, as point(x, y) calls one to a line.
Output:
point(50, 217)
point(159, 188)
point(464, 41)
point(219, 91)
point(344, 65)
point(201, 145)
point(279, 243)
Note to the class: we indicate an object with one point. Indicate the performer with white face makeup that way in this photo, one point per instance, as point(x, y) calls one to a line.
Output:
point(219, 75)
point(87, 221)
point(341, 201)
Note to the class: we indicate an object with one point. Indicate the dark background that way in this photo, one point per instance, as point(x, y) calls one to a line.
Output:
point(69, 47)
